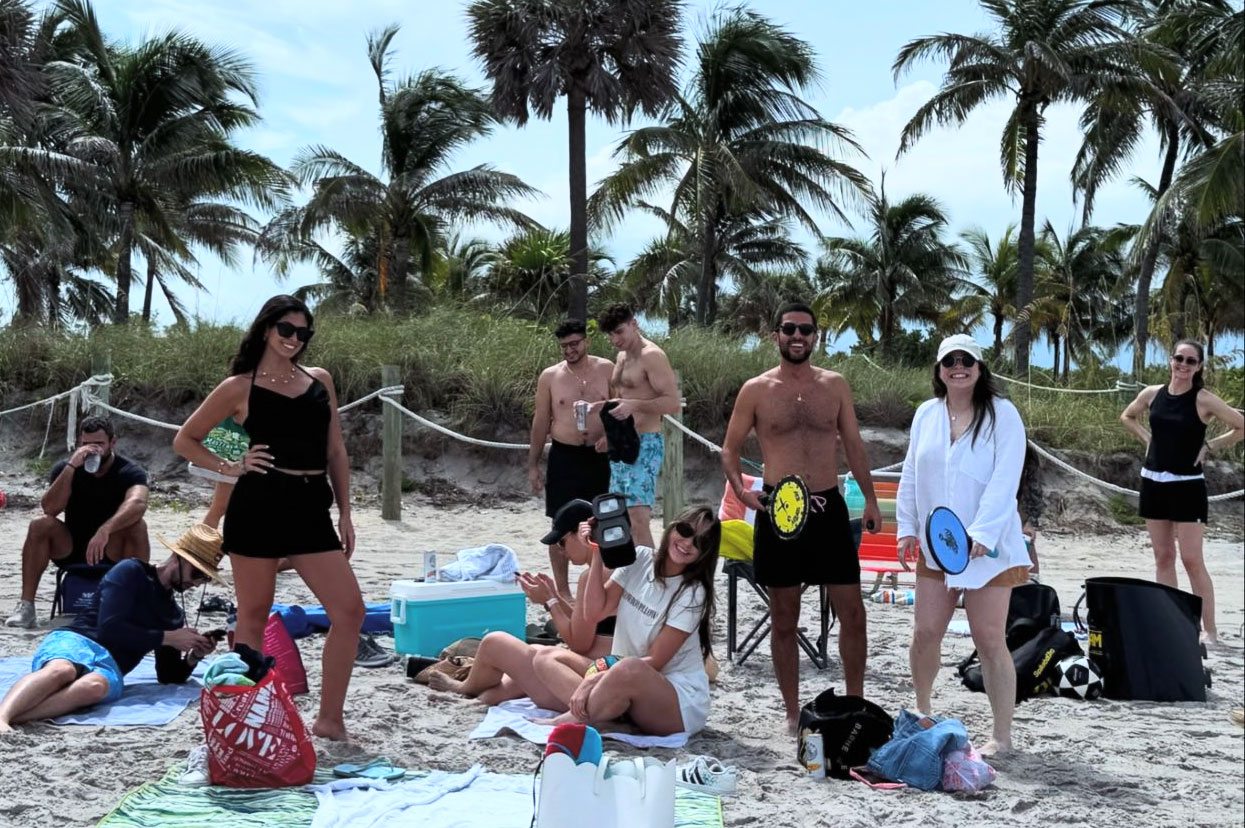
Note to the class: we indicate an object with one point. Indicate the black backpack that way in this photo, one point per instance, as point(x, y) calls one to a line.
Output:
point(851, 729)
point(1033, 608)
point(1036, 663)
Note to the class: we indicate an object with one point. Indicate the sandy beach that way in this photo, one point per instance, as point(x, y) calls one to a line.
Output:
point(1083, 763)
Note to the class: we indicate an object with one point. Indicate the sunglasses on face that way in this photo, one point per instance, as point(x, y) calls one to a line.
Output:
point(572, 345)
point(950, 360)
point(288, 329)
point(1185, 360)
point(805, 328)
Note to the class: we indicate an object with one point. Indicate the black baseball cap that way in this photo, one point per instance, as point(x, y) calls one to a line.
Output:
point(567, 519)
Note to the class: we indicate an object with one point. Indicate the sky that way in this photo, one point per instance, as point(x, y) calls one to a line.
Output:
point(317, 88)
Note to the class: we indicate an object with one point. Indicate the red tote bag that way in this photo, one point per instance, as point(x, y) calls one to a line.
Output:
point(255, 736)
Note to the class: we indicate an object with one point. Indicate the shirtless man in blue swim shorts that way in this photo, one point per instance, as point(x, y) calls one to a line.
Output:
point(645, 388)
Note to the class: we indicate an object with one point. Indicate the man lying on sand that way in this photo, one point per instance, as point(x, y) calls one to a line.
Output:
point(502, 669)
point(132, 614)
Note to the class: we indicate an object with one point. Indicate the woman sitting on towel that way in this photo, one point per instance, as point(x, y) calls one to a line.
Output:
point(965, 452)
point(502, 668)
point(664, 604)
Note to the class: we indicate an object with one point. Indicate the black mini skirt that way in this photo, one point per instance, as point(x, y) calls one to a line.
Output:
point(1180, 501)
point(275, 515)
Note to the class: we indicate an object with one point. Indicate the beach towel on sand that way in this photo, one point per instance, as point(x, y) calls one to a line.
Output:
point(515, 716)
point(145, 701)
point(168, 804)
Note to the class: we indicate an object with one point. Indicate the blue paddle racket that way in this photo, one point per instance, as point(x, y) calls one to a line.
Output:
point(948, 542)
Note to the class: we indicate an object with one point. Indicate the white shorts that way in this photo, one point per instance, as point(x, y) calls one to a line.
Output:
point(692, 688)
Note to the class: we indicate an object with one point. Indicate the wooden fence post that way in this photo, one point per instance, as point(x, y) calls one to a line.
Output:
point(672, 463)
point(391, 437)
point(101, 365)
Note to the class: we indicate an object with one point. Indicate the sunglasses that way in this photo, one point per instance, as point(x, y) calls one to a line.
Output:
point(1185, 360)
point(573, 344)
point(288, 329)
point(805, 328)
point(950, 360)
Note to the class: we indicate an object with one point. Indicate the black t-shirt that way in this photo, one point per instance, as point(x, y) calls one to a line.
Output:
point(93, 500)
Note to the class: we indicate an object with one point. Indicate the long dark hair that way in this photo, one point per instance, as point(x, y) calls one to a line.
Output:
point(701, 571)
point(984, 393)
point(1198, 382)
point(252, 347)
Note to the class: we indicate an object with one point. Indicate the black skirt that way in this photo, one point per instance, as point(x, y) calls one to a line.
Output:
point(1181, 501)
point(275, 515)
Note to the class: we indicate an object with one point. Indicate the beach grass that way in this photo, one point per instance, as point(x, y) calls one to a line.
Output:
point(477, 373)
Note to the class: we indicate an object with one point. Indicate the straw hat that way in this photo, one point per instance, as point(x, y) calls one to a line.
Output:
point(200, 545)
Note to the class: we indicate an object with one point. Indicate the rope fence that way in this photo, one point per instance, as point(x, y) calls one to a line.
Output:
point(83, 397)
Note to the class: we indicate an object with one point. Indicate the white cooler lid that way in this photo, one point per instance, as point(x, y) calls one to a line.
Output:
point(441, 590)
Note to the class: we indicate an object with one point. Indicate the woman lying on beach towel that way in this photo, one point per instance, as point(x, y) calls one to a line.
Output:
point(659, 681)
point(502, 669)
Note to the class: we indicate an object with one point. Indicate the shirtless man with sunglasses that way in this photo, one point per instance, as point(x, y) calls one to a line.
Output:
point(800, 414)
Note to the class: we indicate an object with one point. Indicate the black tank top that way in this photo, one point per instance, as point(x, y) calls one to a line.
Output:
point(295, 429)
point(1177, 433)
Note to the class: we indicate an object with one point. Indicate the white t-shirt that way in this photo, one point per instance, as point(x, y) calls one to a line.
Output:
point(643, 606)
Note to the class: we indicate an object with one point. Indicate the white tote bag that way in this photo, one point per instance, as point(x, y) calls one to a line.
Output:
point(617, 793)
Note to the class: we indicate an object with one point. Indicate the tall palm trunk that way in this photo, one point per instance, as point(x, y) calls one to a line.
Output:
point(708, 275)
point(1067, 360)
point(1054, 341)
point(125, 273)
point(576, 113)
point(151, 284)
point(1025, 243)
point(998, 335)
point(1141, 307)
point(399, 267)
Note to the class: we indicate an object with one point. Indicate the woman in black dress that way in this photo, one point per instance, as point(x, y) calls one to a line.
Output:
point(1173, 490)
point(295, 469)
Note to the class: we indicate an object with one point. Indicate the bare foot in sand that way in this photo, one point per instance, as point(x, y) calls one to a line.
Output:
point(565, 718)
point(5, 727)
point(329, 729)
point(1209, 637)
point(440, 681)
point(793, 726)
point(996, 749)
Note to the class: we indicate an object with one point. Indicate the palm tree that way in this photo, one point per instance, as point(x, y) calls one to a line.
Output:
point(904, 270)
point(145, 124)
point(605, 55)
point(994, 265)
point(750, 249)
point(1042, 52)
point(424, 120)
point(1078, 298)
point(737, 141)
point(1170, 101)
point(462, 265)
point(533, 268)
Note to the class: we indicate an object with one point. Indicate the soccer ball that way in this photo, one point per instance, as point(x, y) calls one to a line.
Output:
point(1079, 678)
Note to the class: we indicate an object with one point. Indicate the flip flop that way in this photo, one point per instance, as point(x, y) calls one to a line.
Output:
point(378, 768)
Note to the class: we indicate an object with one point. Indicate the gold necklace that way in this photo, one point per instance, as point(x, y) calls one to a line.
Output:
point(583, 383)
point(272, 378)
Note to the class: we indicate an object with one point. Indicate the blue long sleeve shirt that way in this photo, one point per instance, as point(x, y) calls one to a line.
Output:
point(129, 615)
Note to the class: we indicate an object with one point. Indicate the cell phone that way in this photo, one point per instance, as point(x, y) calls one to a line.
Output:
point(216, 635)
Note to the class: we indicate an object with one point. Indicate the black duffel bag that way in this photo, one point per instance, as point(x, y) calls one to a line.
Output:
point(851, 729)
point(1036, 662)
point(1143, 637)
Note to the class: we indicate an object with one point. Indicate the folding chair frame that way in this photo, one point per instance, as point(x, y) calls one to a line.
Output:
point(817, 654)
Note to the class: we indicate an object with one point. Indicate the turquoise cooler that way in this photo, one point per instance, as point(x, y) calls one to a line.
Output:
point(428, 617)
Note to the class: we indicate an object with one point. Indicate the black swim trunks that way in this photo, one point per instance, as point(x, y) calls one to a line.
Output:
point(823, 553)
point(574, 472)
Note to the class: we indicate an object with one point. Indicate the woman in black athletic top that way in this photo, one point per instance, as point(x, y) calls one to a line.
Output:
point(1173, 490)
point(287, 481)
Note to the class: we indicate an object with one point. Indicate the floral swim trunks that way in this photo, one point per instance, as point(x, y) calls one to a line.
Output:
point(638, 480)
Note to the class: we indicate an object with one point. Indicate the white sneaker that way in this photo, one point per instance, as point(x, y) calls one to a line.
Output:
point(24, 616)
point(196, 773)
point(704, 773)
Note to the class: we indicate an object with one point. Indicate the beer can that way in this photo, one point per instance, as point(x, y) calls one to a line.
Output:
point(581, 414)
point(812, 754)
point(430, 565)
